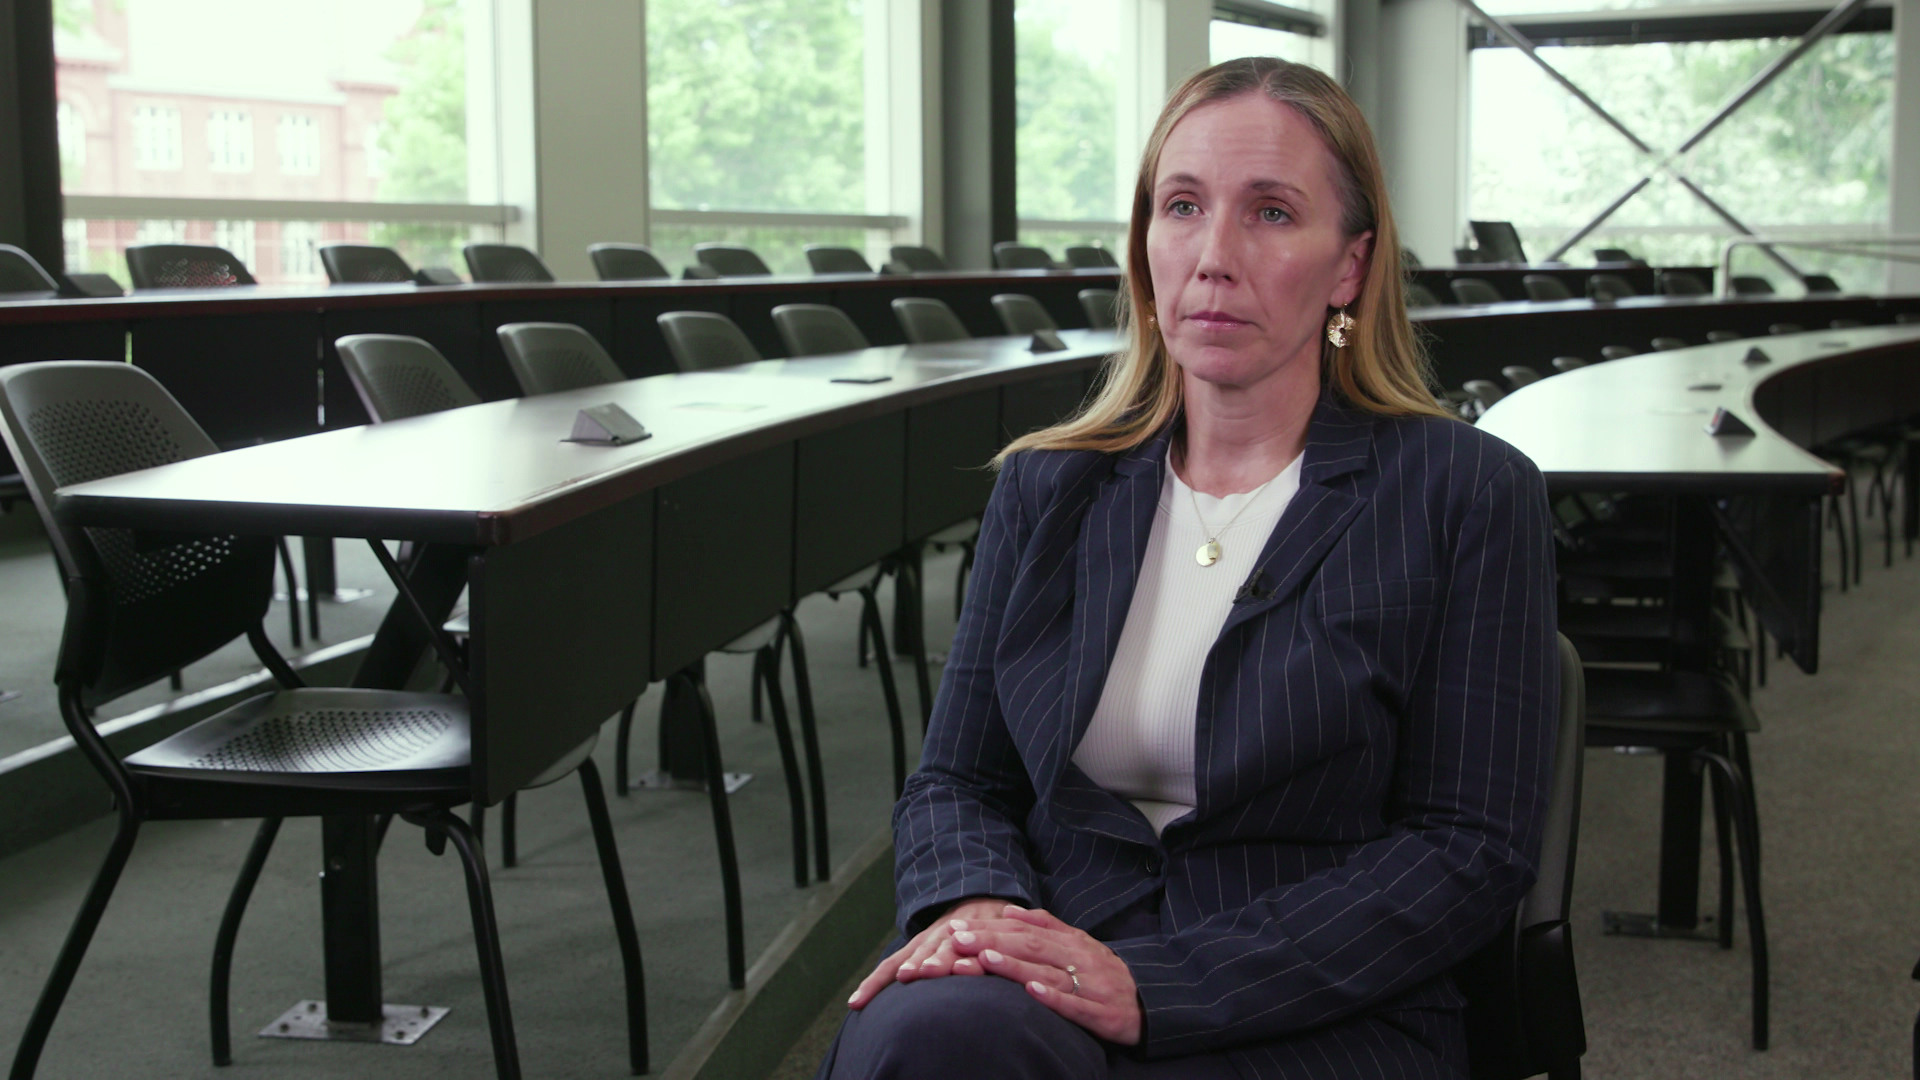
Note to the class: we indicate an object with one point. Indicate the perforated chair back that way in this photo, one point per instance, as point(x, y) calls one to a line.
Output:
point(1419, 296)
point(1820, 283)
point(1751, 285)
point(1545, 287)
point(1523, 1014)
point(1668, 344)
point(1488, 394)
point(547, 358)
point(1718, 337)
point(184, 266)
point(1568, 363)
point(137, 611)
point(729, 260)
point(827, 259)
point(626, 262)
point(1681, 283)
point(505, 264)
point(1609, 287)
point(700, 340)
point(1520, 375)
point(1617, 352)
point(816, 329)
point(1008, 255)
point(364, 264)
point(1102, 307)
point(398, 377)
point(917, 259)
point(23, 278)
point(926, 321)
point(1090, 257)
point(1022, 314)
point(1786, 328)
point(1468, 290)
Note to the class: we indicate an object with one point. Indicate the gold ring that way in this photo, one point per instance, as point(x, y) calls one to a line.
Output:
point(1074, 974)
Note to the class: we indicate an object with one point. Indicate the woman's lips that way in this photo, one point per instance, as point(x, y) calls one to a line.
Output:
point(1216, 320)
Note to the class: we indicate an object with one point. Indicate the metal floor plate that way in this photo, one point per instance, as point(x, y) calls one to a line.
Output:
point(656, 780)
point(404, 1024)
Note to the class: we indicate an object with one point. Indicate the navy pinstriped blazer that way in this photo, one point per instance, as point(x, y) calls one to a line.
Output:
point(1374, 733)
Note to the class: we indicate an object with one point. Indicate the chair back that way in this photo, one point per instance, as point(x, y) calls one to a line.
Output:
point(1523, 1014)
point(827, 259)
point(1022, 314)
point(364, 264)
point(1545, 287)
point(398, 377)
point(1419, 296)
point(1472, 290)
point(1488, 394)
point(1820, 283)
point(1608, 287)
point(1568, 363)
point(626, 262)
point(817, 329)
point(1681, 283)
point(184, 266)
point(700, 340)
point(1102, 307)
point(138, 609)
point(504, 264)
point(1090, 257)
point(1519, 375)
point(1751, 285)
point(1786, 328)
point(547, 358)
point(1668, 344)
point(1717, 337)
point(23, 278)
point(926, 321)
point(917, 259)
point(1008, 255)
point(1613, 255)
point(1617, 352)
point(730, 260)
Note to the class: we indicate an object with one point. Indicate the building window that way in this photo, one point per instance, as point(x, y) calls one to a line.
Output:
point(237, 237)
point(156, 137)
point(73, 139)
point(74, 233)
point(299, 250)
point(160, 232)
point(230, 140)
point(299, 145)
point(376, 152)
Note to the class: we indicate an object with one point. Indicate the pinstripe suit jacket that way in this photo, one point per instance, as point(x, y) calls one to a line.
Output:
point(1374, 733)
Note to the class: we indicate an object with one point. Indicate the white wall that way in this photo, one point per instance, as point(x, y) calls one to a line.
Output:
point(1420, 121)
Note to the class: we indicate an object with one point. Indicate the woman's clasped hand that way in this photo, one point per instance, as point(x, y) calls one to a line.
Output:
point(1061, 966)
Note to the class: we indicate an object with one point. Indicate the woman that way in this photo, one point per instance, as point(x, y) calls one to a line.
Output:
point(1246, 731)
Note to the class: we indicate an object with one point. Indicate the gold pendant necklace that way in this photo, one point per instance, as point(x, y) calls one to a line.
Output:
point(1210, 552)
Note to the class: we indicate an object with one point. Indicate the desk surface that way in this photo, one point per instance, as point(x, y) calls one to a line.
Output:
point(1640, 423)
point(497, 473)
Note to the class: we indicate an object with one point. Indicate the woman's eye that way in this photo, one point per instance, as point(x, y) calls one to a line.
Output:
point(1273, 215)
point(1183, 208)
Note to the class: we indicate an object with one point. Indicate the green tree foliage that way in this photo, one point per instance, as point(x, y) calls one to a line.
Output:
point(424, 134)
point(757, 104)
point(1064, 124)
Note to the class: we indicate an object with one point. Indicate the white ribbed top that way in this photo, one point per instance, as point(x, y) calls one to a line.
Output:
point(1140, 742)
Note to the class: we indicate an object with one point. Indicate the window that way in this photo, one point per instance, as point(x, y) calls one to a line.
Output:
point(72, 127)
point(1065, 133)
point(156, 137)
point(1228, 40)
point(299, 250)
point(299, 144)
point(230, 140)
point(160, 232)
point(375, 151)
point(74, 235)
point(236, 237)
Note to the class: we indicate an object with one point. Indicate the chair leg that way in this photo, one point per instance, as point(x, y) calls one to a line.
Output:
point(229, 931)
point(723, 838)
point(27, 1056)
point(809, 740)
point(1840, 536)
point(1743, 760)
point(1853, 520)
point(623, 928)
point(293, 591)
point(621, 741)
point(923, 684)
point(1747, 843)
point(509, 838)
point(960, 577)
point(486, 939)
point(766, 672)
point(876, 632)
point(1723, 839)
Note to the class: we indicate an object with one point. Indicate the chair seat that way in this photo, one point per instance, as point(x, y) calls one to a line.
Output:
point(856, 581)
point(1631, 708)
point(316, 742)
point(961, 533)
point(753, 640)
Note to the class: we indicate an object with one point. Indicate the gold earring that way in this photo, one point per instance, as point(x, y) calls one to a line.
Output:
point(1338, 326)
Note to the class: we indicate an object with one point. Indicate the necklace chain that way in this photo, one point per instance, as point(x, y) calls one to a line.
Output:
point(1209, 552)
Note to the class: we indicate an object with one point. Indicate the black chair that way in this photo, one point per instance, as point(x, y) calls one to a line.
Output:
point(184, 266)
point(1497, 242)
point(1484, 394)
point(1668, 344)
point(1719, 337)
point(1090, 257)
point(926, 321)
point(1545, 287)
point(96, 286)
point(1008, 255)
point(1523, 1014)
point(1681, 283)
point(916, 259)
point(1613, 255)
point(701, 340)
point(549, 358)
point(364, 264)
point(1568, 363)
point(504, 264)
point(730, 260)
point(1102, 307)
point(1617, 352)
point(1820, 283)
point(1419, 296)
point(135, 614)
point(23, 278)
point(827, 259)
point(1751, 285)
point(1519, 375)
point(626, 262)
point(1467, 290)
point(1022, 314)
point(817, 329)
point(1607, 288)
point(1785, 328)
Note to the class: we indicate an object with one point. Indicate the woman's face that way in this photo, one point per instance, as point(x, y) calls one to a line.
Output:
point(1245, 248)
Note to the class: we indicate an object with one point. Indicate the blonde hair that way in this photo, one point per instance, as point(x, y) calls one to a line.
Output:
point(1382, 369)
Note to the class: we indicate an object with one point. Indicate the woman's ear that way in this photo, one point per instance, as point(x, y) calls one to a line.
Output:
point(1354, 263)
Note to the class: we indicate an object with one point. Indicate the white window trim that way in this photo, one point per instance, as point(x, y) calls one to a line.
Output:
point(144, 207)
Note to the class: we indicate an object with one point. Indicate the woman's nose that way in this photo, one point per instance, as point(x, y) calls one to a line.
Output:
point(1219, 252)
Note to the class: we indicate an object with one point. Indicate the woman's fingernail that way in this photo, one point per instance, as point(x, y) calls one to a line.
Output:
point(1039, 988)
point(991, 957)
point(956, 924)
point(964, 937)
point(908, 966)
point(854, 997)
